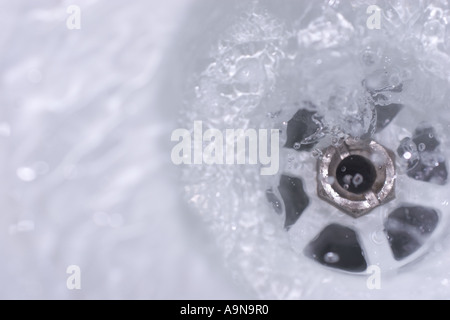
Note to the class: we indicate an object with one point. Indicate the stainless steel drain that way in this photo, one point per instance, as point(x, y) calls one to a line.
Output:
point(356, 176)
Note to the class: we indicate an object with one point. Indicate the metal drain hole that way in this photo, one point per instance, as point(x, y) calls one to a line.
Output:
point(362, 176)
point(356, 174)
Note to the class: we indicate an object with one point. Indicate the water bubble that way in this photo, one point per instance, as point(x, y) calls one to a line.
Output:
point(432, 159)
point(377, 159)
point(357, 180)
point(408, 150)
point(331, 257)
point(347, 179)
point(433, 28)
point(26, 174)
point(378, 236)
point(422, 147)
point(330, 179)
point(297, 145)
point(343, 169)
point(407, 155)
point(346, 186)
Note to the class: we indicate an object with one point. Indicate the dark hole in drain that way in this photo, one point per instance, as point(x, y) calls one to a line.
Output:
point(356, 174)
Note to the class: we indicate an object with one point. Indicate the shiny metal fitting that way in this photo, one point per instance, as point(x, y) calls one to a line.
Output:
point(356, 176)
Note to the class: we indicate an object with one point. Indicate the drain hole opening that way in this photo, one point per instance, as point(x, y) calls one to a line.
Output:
point(356, 174)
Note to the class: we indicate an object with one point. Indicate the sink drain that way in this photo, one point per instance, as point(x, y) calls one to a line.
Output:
point(356, 176)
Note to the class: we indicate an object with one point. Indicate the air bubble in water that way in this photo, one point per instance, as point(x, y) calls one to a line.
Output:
point(330, 179)
point(357, 180)
point(347, 179)
point(331, 257)
point(26, 174)
point(421, 147)
point(297, 145)
point(432, 159)
point(378, 236)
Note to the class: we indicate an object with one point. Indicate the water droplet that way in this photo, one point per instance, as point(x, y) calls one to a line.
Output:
point(346, 186)
point(26, 174)
point(331, 257)
point(343, 169)
point(407, 155)
point(297, 145)
point(377, 237)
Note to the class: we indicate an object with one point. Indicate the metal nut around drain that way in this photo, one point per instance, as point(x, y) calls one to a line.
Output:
point(356, 176)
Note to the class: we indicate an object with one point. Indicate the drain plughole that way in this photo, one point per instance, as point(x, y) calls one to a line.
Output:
point(356, 176)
